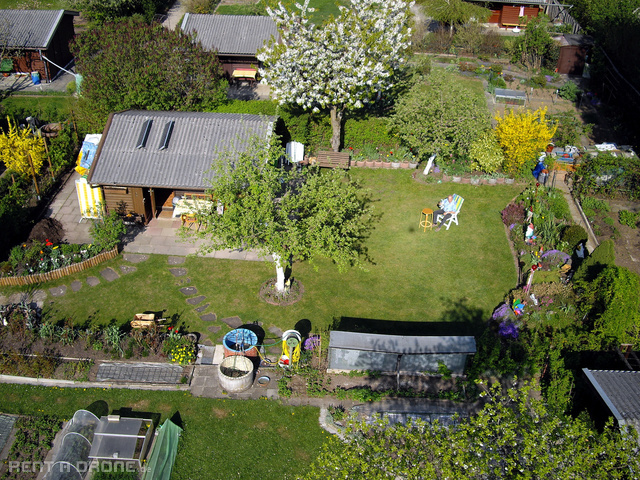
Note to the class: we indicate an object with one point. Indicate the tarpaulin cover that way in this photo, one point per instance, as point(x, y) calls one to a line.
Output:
point(163, 453)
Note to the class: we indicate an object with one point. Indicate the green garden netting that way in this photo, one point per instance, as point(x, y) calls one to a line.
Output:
point(163, 453)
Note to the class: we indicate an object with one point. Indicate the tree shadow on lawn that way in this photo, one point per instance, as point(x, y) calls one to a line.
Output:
point(458, 319)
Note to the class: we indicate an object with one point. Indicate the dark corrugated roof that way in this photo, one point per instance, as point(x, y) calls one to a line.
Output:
point(30, 28)
point(408, 345)
point(196, 141)
point(620, 390)
point(230, 34)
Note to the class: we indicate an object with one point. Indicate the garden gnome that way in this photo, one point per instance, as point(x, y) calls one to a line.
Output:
point(529, 237)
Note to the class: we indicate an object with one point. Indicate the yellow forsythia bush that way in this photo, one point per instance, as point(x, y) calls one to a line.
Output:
point(17, 145)
point(523, 137)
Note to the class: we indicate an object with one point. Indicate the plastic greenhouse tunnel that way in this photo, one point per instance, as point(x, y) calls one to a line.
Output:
point(163, 452)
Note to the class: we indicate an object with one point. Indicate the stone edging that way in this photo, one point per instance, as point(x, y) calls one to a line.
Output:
point(60, 272)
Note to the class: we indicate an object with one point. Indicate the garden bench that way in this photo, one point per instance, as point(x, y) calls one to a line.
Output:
point(331, 159)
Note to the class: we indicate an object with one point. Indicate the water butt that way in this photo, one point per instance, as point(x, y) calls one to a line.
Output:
point(240, 341)
point(236, 374)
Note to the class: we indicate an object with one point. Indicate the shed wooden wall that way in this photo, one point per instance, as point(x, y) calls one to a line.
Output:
point(571, 60)
point(511, 15)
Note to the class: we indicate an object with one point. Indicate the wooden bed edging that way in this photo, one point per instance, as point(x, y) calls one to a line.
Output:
point(60, 272)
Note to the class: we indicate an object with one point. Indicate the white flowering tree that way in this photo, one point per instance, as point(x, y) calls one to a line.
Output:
point(341, 64)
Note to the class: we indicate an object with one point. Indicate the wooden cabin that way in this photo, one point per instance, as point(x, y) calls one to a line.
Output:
point(236, 38)
point(146, 158)
point(36, 41)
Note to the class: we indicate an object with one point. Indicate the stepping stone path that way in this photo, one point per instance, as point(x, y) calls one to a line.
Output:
point(178, 272)
point(126, 269)
point(109, 274)
point(196, 300)
point(276, 331)
point(135, 257)
point(58, 291)
point(233, 322)
point(213, 328)
point(189, 290)
point(209, 317)
point(202, 308)
point(176, 260)
point(76, 285)
point(93, 281)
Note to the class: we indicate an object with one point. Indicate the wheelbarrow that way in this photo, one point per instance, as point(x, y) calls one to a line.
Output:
point(146, 320)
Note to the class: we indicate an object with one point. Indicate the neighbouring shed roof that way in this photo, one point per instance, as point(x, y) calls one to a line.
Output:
point(620, 390)
point(230, 34)
point(195, 141)
point(30, 28)
point(401, 344)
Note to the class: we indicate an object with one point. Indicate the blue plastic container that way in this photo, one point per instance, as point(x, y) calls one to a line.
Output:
point(35, 78)
point(240, 341)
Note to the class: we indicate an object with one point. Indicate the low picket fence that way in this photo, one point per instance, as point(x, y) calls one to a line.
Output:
point(60, 272)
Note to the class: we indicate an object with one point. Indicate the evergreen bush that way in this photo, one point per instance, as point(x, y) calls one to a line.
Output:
point(603, 256)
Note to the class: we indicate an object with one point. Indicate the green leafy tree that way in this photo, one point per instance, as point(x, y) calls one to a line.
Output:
point(108, 10)
point(341, 64)
point(536, 45)
point(486, 152)
point(289, 215)
point(440, 115)
point(513, 436)
point(132, 65)
point(455, 12)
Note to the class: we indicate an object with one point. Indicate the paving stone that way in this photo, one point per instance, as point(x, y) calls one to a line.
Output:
point(276, 331)
point(189, 290)
point(126, 269)
point(202, 308)
point(135, 257)
point(109, 274)
point(76, 285)
point(178, 272)
point(233, 322)
point(6, 425)
point(58, 291)
point(4, 300)
point(196, 300)
point(93, 281)
point(208, 343)
point(38, 296)
point(209, 317)
point(176, 260)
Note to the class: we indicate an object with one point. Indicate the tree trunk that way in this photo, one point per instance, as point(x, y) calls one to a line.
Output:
point(279, 272)
point(336, 127)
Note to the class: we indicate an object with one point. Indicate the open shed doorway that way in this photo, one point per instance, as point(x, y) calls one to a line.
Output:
point(163, 202)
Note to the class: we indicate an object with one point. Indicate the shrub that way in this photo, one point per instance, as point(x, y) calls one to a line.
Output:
point(574, 235)
point(107, 231)
point(369, 130)
point(569, 91)
point(603, 256)
point(513, 214)
point(486, 152)
point(570, 128)
point(595, 204)
point(538, 81)
point(630, 219)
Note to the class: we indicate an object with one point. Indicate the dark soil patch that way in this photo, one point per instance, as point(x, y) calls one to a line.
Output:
point(293, 294)
point(47, 229)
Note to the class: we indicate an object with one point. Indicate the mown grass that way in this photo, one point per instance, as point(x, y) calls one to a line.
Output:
point(222, 439)
point(41, 4)
point(324, 9)
point(437, 282)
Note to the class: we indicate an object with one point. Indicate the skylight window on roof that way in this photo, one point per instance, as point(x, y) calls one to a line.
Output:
point(144, 134)
point(166, 135)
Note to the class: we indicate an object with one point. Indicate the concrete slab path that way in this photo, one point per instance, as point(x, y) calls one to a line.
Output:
point(139, 372)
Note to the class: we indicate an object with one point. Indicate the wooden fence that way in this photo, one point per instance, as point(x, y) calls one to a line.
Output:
point(60, 272)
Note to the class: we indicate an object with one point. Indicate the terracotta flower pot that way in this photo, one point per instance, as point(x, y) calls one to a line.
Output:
point(360, 163)
point(500, 180)
point(369, 163)
point(386, 164)
point(378, 164)
point(404, 165)
point(446, 178)
point(465, 180)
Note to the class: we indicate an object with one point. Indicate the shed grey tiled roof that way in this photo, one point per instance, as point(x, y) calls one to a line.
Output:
point(231, 34)
point(29, 28)
point(404, 344)
point(196, 142)
point(620, 390)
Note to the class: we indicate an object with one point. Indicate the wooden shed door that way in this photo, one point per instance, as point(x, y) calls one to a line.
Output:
point(141, 202)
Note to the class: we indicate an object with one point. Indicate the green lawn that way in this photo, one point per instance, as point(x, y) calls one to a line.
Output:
point(45, 107)
point(222, 439)
point(433, 282)
point(323, 8)
point(41, 4)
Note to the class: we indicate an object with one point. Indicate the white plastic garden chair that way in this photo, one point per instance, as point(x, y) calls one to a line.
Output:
point(458, 201)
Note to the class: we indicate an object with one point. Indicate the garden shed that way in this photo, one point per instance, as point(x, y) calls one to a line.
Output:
point(146, 159)
point(398, 353)
point(36, 41)
point(236, 38)
point(574, 52)
point(619, 390)
point(510, 97)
